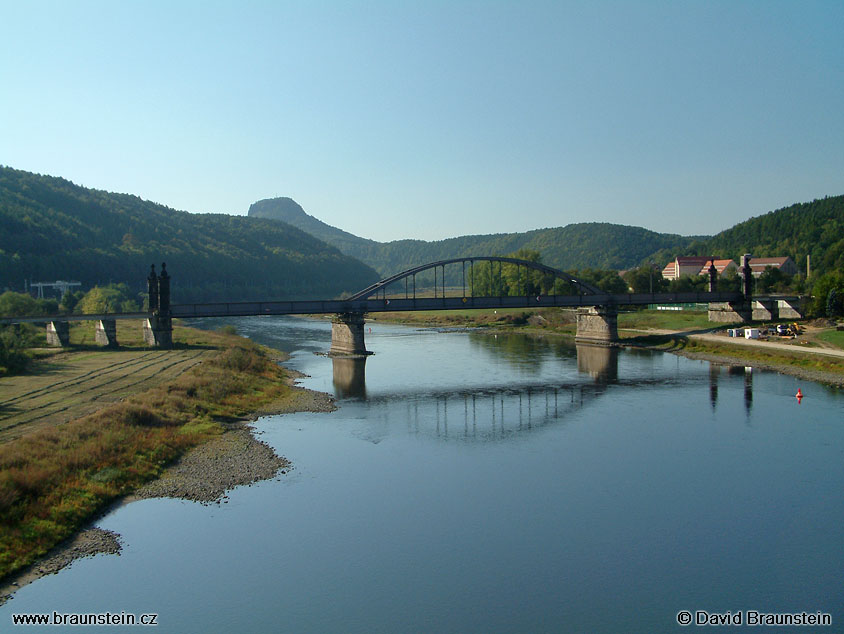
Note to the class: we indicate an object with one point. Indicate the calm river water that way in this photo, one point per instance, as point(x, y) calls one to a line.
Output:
point(471, 482)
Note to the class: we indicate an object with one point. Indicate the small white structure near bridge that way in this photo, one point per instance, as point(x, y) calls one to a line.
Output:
point(60, 285)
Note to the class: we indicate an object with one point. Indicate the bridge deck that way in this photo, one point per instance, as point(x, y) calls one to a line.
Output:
point(441, 303)
point(318, 307)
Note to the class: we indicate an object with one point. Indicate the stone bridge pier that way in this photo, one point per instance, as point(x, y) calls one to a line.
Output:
point(58, 334)
point(158, 327)
point(597, 325)
point(347, 335)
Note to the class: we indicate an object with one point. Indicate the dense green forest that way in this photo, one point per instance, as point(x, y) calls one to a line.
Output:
point(815, 228)
point(52, 229)
point(578, 246)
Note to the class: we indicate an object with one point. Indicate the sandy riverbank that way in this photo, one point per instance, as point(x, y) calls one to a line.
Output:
point(203, 474)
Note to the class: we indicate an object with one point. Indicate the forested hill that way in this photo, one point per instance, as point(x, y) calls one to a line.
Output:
point(577, 246)
point(815, 228)
point(52, 229)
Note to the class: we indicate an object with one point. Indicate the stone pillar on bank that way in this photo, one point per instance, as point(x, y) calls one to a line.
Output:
point(158, 331)
point(597, 325)
point(347, 335)
point(58, 334)
point(713, 277)
point(737, 312)
point(730, 312)
point(158, 327)
point(746, 277)
point(105, 333)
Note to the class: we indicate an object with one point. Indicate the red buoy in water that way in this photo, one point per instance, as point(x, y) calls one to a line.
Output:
point(799, 395)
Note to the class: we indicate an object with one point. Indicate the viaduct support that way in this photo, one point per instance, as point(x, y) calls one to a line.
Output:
point(158, 328)
point(105, 333)
point(158, 331)
point(737, 312)
point(58, 334)
point(597, 325)
point(730, 312)
point(347, 335)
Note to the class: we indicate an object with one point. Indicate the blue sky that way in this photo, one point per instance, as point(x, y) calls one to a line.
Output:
point(438, 118)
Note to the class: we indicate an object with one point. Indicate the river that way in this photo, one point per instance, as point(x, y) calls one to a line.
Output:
point(473, 482)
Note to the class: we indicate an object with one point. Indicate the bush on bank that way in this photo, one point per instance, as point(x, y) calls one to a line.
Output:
point(55, 480)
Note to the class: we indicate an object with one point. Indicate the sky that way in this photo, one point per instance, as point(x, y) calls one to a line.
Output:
point(436, 118)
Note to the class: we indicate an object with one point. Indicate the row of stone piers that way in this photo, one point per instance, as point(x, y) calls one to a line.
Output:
point(105, 333)
point(595, 325)
point(157, 327)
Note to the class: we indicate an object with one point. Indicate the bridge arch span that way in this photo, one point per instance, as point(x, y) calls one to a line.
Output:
point(584, 287)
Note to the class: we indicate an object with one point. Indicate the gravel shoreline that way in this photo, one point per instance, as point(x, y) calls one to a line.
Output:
point(203, 474)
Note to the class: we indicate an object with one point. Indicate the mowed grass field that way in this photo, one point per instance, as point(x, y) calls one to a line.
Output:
point(68, 384)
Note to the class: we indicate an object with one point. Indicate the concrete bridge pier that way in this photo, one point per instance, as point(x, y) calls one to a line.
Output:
point(105, 333)
point(158, 331)
point(597, 325)
point(58, 334)
point(347, 335)
point(731, 312)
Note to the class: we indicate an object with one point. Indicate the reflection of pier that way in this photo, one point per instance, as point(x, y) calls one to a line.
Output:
point(733, 370)
point(599, 362)
point(349, 376)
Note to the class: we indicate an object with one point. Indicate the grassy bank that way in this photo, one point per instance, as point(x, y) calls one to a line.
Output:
point(756, 355)
point(55, 480)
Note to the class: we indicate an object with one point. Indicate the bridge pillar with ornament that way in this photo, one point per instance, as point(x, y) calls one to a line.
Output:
point(738, 312)
point(347, 335)
point(597, 325)
point(158, 327)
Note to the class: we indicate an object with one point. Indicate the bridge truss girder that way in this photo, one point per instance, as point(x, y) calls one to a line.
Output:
point(583, 287)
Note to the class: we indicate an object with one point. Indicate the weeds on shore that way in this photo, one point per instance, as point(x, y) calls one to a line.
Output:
point(55, 480)
point(681, 344)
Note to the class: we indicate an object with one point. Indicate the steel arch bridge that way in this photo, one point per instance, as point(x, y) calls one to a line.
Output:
point(596, 317)
point(381, 286)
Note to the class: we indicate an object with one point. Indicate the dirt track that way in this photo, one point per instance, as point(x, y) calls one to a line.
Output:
point(72, 384)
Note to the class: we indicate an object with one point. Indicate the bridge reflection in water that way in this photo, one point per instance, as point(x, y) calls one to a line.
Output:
point(484, 413)
point(481, 414)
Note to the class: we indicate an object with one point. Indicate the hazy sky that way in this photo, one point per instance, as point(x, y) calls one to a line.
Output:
point(432, 119)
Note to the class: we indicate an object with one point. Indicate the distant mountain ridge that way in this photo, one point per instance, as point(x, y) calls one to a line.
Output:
point(812, 228)
point(289, 211)
point(575, 246)
point(52, 229)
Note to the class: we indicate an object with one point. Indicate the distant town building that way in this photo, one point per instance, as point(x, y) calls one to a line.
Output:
point(690, 265)
point(784, 264)
point(699, 265)
point(721, 266)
